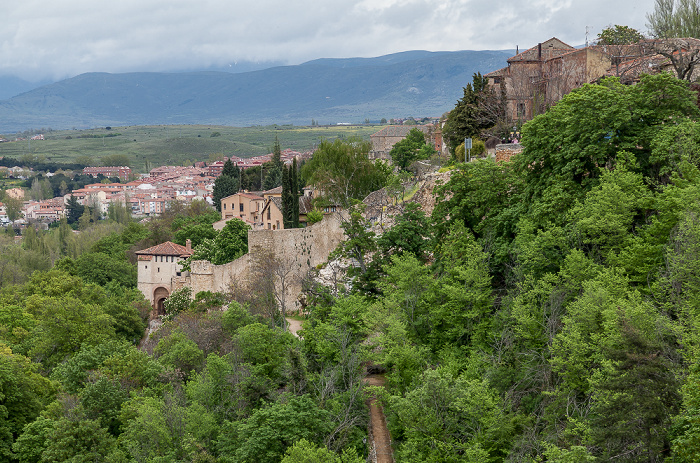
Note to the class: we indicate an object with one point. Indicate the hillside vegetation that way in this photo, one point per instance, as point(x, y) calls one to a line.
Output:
point(547, 310)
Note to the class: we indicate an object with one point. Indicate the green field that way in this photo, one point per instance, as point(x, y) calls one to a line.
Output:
point(152, 146)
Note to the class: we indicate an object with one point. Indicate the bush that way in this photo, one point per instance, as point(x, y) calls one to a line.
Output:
point(179, 301)
point(313, 217)
point(478, 150)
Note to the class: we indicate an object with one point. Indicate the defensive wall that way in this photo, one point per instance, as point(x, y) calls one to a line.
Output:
point(507, 150)
point(297, 249)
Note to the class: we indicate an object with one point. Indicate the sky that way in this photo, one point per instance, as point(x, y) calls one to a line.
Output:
point(50, 39)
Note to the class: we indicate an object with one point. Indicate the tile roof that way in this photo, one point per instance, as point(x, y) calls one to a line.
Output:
point(305, 205)
point(251, 196)
point(274, 191)
point(166, 249)
point(550, 48)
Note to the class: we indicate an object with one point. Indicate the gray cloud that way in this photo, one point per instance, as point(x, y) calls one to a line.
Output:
point(49, 39)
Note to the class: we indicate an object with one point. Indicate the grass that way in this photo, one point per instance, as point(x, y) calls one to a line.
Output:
point(152, 146)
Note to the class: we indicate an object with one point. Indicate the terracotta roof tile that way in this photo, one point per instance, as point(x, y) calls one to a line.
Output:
point(305, 205)
point(166, 249)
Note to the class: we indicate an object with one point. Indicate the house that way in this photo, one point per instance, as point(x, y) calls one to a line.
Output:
point(537, 78)
point(15, 193)
point(540, 76)
point(122, 172)
point(245, 206)
point(272, 214)
point(160, 271)
point(386, 138)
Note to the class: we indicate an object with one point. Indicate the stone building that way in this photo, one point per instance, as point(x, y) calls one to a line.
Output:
point(293, 252)
point(386, 138)
point(540, 76)
point(160, 271)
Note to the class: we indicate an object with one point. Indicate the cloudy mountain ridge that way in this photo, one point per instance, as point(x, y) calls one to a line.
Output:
point(328, 90)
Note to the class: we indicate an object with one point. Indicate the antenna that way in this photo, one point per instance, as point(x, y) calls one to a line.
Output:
point(586, 36)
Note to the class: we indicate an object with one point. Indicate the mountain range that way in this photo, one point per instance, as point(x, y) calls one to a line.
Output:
point(329, 91)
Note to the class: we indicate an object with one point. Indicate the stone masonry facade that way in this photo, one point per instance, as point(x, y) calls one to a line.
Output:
point(299, 249)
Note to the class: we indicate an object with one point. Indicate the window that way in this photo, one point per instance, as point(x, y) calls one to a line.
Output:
point(269, 226)
point(496, 80)
point(268, 214)
point(158, 269)
point(521, 109)
point(240, 207)
point(224, 206)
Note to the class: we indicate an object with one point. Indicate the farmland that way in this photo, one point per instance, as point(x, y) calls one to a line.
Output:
point(152, 146)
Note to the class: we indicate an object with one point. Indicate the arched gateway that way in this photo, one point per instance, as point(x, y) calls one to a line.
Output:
point(160, 271)
point(159, 297)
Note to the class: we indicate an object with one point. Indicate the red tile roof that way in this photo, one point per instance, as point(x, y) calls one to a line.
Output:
point(166, 249)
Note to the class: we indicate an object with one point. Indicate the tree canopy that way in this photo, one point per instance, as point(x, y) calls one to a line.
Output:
point(342, 171)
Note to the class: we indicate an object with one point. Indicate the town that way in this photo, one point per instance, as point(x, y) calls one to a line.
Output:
point(514, 280)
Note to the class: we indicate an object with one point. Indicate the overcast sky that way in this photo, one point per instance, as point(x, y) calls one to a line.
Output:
point(55, 39)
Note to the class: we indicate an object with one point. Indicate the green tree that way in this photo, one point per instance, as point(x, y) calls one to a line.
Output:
point(619, 35)
point(444, 418)
point(13, 207)
point(179, 353)
point(306, 452)
point(81, 440)
point(74, 209)
point(342, 171)
point(223, 186)
point(273, 177)
point(360, 240)
point(230, 170)
point(636, 399)
point(409, 149)
point(675, 18)
point(116, 160)
point(23, 395)
point(566, 147)
point(266, 435)
point(290, 196)
point(100, 268)
point(479, 108)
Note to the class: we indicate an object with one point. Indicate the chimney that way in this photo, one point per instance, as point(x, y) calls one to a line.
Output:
point(188, 245)
point(539, 51)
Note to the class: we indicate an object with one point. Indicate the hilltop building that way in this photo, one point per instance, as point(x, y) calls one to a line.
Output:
point(386, 138)
point(538, 77)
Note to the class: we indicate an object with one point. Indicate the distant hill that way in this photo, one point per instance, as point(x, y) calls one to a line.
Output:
point(12, 86)
point(415, 83)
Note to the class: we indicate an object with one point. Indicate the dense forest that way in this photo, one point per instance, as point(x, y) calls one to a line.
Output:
point(547, 310)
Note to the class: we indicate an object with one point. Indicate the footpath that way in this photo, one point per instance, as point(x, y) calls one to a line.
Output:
point(379, 437)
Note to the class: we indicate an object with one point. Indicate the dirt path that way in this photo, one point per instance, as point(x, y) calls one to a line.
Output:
point(379, 437)
point(293, 326)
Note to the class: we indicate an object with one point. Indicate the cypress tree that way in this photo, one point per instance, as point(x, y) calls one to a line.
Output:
point(294, 192)
point(287, 208)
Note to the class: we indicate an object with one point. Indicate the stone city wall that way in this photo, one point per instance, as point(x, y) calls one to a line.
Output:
point(299, 249)
point(505, 151)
